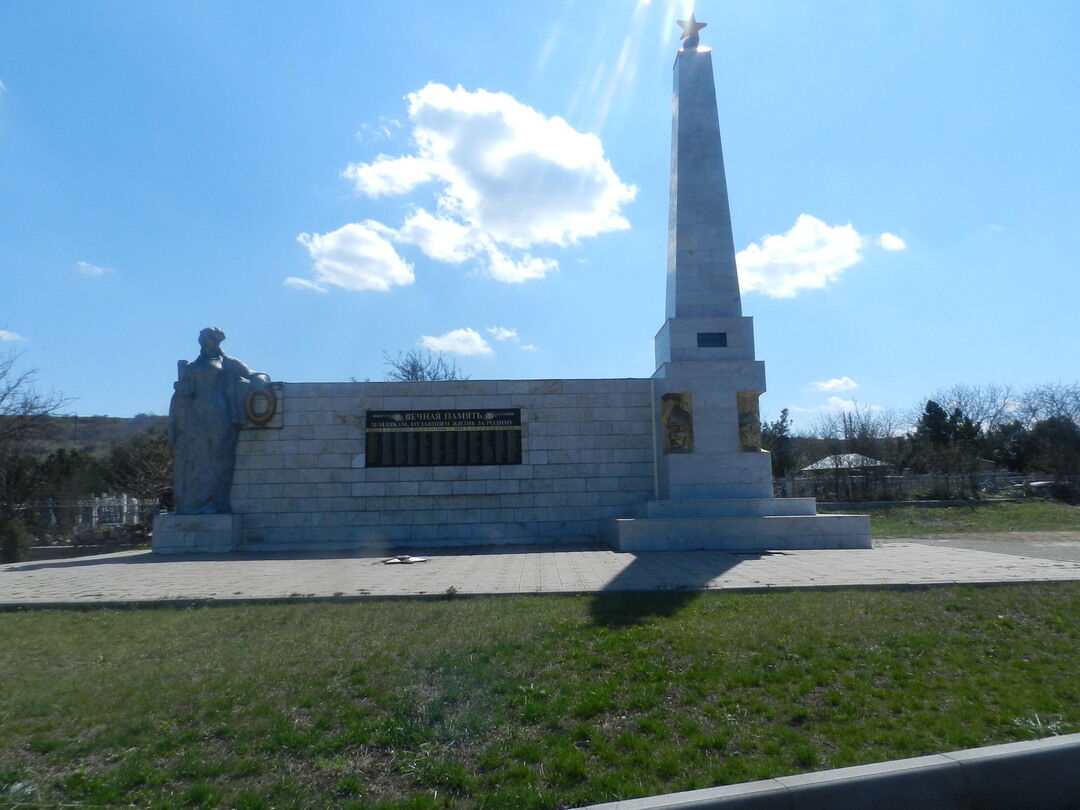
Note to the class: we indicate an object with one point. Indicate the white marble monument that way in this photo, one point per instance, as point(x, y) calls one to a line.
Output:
point(714, 482)
point(671, 462)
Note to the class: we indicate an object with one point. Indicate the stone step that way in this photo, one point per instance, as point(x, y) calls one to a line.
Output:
point(729, 507)
point(776, 532)
point(397, 545)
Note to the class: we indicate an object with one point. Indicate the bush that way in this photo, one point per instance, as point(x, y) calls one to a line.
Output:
point(1067, 493)
point(14, 541)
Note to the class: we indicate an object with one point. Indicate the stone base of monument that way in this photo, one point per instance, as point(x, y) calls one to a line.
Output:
point(195, 534)
point(757, 524)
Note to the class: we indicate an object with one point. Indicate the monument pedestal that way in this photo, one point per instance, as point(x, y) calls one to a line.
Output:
point(772, 528)
point(743, 524)
point(194, 534)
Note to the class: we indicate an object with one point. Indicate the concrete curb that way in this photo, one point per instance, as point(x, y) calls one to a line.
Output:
point(186, 602)
point(1041, 774)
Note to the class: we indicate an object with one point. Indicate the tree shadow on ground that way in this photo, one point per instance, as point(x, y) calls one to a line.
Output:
point(660, 584)
point(374, 552)
point(146, 556)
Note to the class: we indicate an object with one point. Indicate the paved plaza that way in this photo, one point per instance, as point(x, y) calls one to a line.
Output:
point(145, 577)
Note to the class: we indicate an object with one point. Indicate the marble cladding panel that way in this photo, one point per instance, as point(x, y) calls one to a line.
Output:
point(587, 451)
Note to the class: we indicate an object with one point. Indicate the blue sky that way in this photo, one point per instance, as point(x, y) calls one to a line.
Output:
point(336, 180)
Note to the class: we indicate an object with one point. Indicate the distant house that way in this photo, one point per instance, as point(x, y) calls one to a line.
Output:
point(846, 461)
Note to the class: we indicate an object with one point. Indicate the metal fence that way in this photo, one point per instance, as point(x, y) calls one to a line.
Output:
point(70, 516)
point(844, 484)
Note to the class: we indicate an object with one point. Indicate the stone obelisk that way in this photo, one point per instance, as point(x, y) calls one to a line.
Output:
point(713, 480)
point(707, 380)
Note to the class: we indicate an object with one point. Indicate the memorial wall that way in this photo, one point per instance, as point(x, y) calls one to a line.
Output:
point(444, 463)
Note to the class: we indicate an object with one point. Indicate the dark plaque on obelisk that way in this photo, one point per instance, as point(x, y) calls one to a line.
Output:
point(443, 438)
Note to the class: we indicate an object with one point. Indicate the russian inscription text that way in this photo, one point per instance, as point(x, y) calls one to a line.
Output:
point(443, 438)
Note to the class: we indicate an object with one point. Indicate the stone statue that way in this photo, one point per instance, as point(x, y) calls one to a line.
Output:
point(205, 415)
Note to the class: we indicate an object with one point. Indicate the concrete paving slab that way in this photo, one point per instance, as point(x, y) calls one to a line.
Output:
point(1046, 545)
point(142, 576)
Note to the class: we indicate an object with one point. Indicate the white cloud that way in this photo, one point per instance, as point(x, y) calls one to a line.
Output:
point(808, 257)
point(457, 341)
point(832, 404)
point(6, 335)
point(891, 241)
point(94, 270)
point(382, 131)
point(836, 384)
point(502, 333)
point(391, 176)
point(302, 284)
point(502, 268)
point(841, 404)
point(357, 256)
point(838, 405)
point(441, 239)
point(507, 177)
point(3, 87)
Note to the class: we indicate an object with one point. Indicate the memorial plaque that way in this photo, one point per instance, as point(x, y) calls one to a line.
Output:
point(677, 416)
point(712, 340)
point(443, 438)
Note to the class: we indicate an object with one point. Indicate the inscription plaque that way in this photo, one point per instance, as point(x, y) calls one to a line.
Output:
point(443, 438)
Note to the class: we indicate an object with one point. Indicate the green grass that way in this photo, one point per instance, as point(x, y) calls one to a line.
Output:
point(517, 702)
point(913, 521)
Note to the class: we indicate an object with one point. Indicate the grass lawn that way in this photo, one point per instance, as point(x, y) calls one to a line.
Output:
point(517, 702)
point(913, 521)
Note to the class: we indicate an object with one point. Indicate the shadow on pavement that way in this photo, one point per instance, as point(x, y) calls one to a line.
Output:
point(375, 554)
point(144, 557)
point(118, 558)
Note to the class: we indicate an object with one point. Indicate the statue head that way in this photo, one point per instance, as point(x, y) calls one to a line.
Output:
point(210, 340)
point(678, 423)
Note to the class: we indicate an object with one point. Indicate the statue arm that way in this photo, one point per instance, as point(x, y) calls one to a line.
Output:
point(240, 371)
point(241, 379)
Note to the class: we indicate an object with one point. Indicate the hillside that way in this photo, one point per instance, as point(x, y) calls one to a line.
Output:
point(99, 434)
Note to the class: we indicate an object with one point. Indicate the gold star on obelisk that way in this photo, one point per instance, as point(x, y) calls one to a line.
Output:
point(690, 30)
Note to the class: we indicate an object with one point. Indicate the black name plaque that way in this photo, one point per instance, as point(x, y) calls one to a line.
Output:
point(442, 438)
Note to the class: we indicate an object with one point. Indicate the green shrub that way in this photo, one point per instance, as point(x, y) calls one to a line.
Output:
point(14, 541)
point(1067, 493)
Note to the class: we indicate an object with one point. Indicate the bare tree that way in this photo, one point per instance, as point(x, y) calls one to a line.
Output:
point(24, 419)
point(416, 366)
point(865, 431)
point(1052, 401)
point(862, 429)
point(988, 406)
